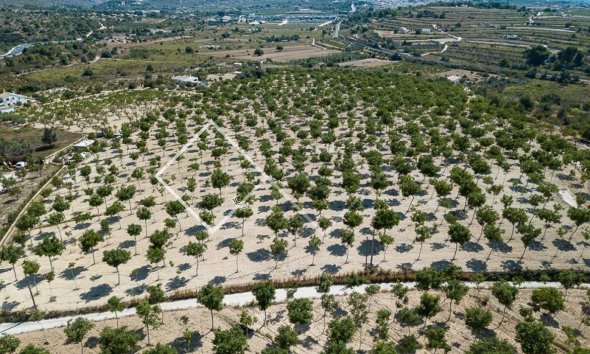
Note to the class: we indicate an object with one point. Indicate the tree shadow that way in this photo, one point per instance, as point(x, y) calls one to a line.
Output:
point(549, 321)
point(181, 346)
point(472, 247)
point(261, 276)
point(511, 265)
point(8, 306)
point(141, 273)
point(136, 290)
point(563, 245)
point(218, 279)
point(337, 205)
point(96, 292)
point(440, 265)
point(500, 246)
point(231, 225)
point(127, 244)
point(176, 283)
point(184, 266)
point(331, 268)
point(435, 246)
point(477, 265)
point(404, 248)
point(337, 250)
point(537, 246)
point(260, 255)
point(72, 273)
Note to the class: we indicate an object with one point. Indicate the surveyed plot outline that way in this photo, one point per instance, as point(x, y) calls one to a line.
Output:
point(265, 178)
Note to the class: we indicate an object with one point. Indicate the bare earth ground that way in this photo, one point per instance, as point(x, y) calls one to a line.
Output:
point(367, 63)
point(313, 339)
point(96, 282)
point(289, 53)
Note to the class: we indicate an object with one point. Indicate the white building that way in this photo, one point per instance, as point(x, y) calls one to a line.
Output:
point(425, 31)
point(83, 144)
point(185, 79)
point(9, 100)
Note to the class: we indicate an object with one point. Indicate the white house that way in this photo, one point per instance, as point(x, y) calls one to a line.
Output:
point(425, 31)
point(8, 100)
point(83, 144)
point(184, 79)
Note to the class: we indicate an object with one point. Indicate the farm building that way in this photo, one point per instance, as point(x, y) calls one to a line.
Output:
point(9, 100)
point(185, 79)
point(83, 144)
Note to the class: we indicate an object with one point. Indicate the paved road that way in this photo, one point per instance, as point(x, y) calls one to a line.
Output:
point(241, 299)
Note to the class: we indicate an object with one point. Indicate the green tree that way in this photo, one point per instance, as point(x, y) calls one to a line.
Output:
point(384, 219)
point(436, 338)
point(196, 250)
point(244, 213)
point(235, 248)
point(8, 344)
point(534, 338)
point(264, 293)
point(115, 258)
point(230, 341)
point(219, 179)
point(300, 311)
point(459, 235)
point(477, 318)
point(115, 304)
point(11, 253)
point(314, 246)
point(548, 299)
point(286, 338)
point(491, 345)
point(88, 242)
point(506, 294)
point(277, 248)
point(76, 331)
point(211, 297)
point(454, 290)
point(150, 316)
point(31, 268)
point(161, 349)
point(118, 341)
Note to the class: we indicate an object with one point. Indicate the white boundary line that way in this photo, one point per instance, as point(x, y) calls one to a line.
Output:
point(265, 178)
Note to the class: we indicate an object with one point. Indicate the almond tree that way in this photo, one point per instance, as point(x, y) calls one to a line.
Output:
point(134, 230)
point(384, 219)
point(278, 247)
point(126, 194)
point(143, 213)
point(76, 331)
point(115, 258)
point(264, 292)
point(235, 248)
point(49, 247)
point(89, 240)
point(211, 297)
point(314, 246)
point(55, 219)
point(115, 305)
point(459, 235)
point(506, 294)
point(31, 268)
point(11, 253)
point(244, 213)
point(196, 250)
point(347, 237)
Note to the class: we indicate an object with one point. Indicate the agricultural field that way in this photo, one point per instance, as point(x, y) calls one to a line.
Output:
point(361, 180)
point(380, 324)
